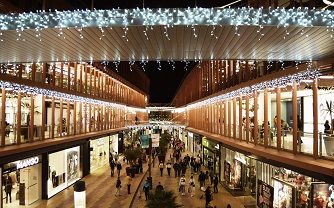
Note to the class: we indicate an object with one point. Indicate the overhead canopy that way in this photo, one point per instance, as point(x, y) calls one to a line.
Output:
point(167, 34)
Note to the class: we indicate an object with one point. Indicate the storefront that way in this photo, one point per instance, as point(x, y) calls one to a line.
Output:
point(113, 144)
point(239, 172)
point(190, 139)
point(211, 154)
point(64, 169)
point(198, 145)
point(21, 182)
point(99, 153)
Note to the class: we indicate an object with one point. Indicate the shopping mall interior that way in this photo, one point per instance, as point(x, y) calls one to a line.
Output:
point(246, 87)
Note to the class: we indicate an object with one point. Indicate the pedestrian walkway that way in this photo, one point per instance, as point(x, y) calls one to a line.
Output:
point(100, 191)
point(170, 183)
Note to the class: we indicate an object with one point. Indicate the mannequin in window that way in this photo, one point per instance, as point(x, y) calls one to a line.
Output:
point(327, 127)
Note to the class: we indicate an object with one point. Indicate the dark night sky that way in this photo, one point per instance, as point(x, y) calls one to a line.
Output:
point(165, 82)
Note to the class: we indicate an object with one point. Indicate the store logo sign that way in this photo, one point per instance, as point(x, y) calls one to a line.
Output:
point(27, 162)
point(100, 141)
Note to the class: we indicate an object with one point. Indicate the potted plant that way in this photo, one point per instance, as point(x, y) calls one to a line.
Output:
point(328, 109)
point(164, 141)
point(162, 199)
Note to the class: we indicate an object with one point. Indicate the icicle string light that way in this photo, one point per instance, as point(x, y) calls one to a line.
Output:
point(279, 82)
point(304, 17)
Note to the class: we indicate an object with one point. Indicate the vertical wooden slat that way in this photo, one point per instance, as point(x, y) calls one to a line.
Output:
point(52, 117)
point(75, 77)
point(234, 118)
point(279, 117)
point(61, 74)
point(247, 118)
point(61, 117)
point(229, 118)
point(32, 118)
point(315, 119)
point(255, 118)
point(3, 116)
point(33, 72)
point(44, 72)
point(240, 118)
point(80, 80)
point(75, 117)
point(86, 82)
point(69, 76)
point(81, 121)
point(18, 121)
point(68, 130)
point(294, 117)
point(43, 118)
point(90, 118)
point(265, 128)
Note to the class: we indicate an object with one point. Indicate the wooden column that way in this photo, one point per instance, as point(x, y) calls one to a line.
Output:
point(315, 119)
point(80, 80)
point(255, 118)
point(43, 73)
point(86, 81)
point(69, 76)
point(95, 77)
point(68, 127)
point(52, 118)
point(240, 118)
point(3, 116)
point(90, 80)
point(279, 117)
point(229, 118)
point(85, 113)
point(234, 118)
point(61, 74)
point(90, 118)
point(54, 75)
point(33, 71)
point(294, 117)
point(266, 127)
point(75, 77)
point(32, 118)
point(43, 117)
point(247, 118)
point(81, 119)
point(61, 117)
point(75, 117)
point(18, 117)
point(21, 68)
point(225, 118)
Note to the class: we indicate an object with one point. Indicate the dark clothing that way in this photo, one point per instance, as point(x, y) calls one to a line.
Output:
point(215, 184)
point(208, 197)
point(129, 188)
point(159, 188)
point(119, 168)
point(8, 189)
point(112, 168)
point(168, 171)
point(201, 179)
point(147, 190)
point(118, 184)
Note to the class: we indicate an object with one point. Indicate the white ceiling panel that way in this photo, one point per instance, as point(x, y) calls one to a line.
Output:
point(224, 42)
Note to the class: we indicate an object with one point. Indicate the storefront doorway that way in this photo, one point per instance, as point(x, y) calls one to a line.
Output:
point(21, 182)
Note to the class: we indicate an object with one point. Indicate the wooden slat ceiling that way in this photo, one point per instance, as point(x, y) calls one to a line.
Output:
point(301, 44)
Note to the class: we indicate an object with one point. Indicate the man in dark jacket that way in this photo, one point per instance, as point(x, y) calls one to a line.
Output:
point(112, 167)
point(176, 168)
point(119, 168)
point(201, 179)
point(215, 184)
point(208, 196)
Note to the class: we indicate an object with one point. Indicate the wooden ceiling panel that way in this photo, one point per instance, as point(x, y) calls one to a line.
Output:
point(183, 45)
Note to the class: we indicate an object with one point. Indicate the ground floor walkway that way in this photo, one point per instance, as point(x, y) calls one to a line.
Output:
point(100, 191)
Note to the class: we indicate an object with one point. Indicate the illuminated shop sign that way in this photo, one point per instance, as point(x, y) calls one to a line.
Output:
point(27, 162)
point(100, 141)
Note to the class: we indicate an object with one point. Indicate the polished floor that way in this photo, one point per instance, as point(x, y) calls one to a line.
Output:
point(101, 192)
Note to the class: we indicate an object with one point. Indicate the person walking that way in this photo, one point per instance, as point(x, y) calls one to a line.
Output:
point(159, 187)
point(161, 166)
point(215, 184)
point(208, 196)
point(169, 166)
point(140, 165)
point(201, 179)
point(8, 189)
point(182, 185)
point(212, 175)
point(118, 187)
point(112, 167)
point(119, 168)
point(176, 169)
point(191, 188)
point(146, 189)
point(128, 181)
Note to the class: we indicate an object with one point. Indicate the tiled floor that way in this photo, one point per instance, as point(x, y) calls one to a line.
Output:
point(101, 192)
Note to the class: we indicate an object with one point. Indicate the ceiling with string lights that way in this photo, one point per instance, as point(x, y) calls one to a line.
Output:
point(167, 35)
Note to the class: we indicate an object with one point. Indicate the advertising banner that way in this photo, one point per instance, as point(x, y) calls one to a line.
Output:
point(322, 195)
point(265, 195)
point(145, 142)
point(155, 140)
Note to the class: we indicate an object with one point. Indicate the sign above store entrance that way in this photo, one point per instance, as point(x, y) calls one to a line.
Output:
point(27, 162)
